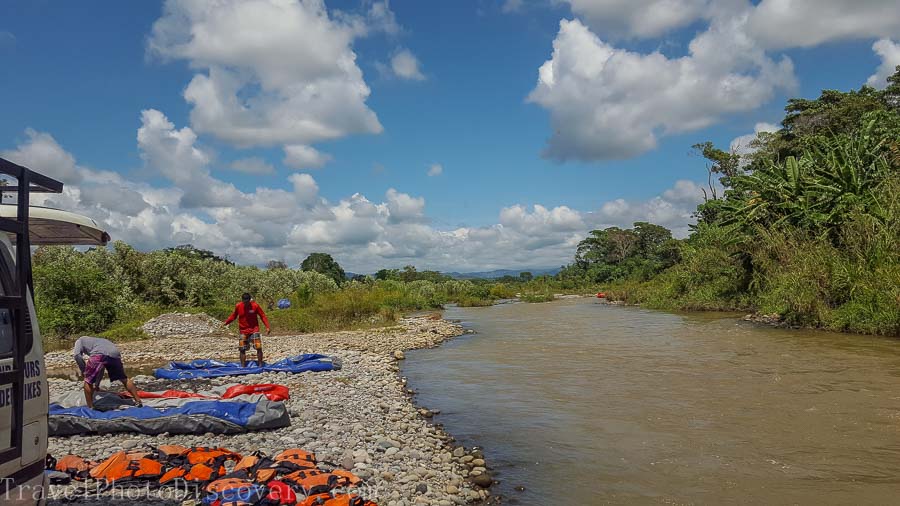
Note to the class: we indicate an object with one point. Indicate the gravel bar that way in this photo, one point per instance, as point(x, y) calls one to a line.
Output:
point(361, 417)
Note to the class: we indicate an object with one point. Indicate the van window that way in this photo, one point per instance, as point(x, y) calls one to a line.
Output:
point(6, 332)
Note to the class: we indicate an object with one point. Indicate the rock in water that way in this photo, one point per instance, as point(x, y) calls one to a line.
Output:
point(483, 480)
point(399, 355)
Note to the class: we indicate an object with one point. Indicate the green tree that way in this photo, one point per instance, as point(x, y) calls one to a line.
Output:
point(189, 251)
point(616, 253)
point(324, 264)
point(384, 274)
point(650, 237)
point(526, 276)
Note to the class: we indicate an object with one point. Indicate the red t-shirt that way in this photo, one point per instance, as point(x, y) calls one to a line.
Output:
point(247, 319)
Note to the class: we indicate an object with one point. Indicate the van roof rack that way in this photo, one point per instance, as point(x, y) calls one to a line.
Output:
point(37, 182)
point(27, 181)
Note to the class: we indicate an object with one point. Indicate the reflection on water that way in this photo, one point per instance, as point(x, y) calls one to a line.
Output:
point(607, 404)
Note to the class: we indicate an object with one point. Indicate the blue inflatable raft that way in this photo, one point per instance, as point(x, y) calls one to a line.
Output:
point(215, 369)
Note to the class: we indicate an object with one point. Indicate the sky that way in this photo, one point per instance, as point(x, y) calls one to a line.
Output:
point(460, 135)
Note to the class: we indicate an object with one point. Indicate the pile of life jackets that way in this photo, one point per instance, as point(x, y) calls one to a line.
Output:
point(222, 477)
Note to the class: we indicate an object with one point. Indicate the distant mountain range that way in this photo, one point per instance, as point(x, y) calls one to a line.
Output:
point(497, 273)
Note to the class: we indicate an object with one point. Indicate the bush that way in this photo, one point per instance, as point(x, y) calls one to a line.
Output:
point(75, 299)
point(537, 297)
point(711, 276)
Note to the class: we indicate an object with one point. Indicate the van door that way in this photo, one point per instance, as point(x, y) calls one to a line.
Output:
point(21, 411)
point(7, 349)
point(13, 312)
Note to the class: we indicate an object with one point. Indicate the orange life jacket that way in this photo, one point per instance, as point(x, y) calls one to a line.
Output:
point(297, 459)
point(255, 467)
point(75, 466)
point(200, 464)
point(122, 466)
point(169, 452)
point(313, 481)
point(347, 477)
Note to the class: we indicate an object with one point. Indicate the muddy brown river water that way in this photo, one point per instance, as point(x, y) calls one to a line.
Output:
point(585, 403)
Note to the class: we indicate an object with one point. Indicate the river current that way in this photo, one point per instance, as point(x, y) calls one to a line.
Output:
point(586, 403)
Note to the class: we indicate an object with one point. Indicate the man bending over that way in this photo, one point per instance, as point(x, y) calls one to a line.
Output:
point(102, 355)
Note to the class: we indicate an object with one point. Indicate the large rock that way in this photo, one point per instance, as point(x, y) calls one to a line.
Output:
point(483, 480)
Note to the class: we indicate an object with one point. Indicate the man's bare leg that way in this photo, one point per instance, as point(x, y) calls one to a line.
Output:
point(129, 385)
point(259, 357)
point(243, 358)
point(89, 395)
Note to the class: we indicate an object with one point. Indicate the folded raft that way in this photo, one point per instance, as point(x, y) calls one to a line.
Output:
point(214, 368)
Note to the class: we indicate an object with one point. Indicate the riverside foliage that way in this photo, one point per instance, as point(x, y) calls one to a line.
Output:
point(807, 226)
point(113, 291)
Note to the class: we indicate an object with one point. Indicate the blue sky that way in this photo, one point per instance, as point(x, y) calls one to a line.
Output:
point(79, 76)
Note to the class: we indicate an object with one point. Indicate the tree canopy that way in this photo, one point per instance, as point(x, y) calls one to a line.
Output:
point(324, 264)
point(614, 253)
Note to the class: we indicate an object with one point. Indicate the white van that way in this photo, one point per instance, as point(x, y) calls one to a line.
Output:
point(23, 380)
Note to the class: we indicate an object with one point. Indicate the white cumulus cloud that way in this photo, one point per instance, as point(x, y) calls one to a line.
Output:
point(304, 157)
point(435, 169)
point(639, 18)
point(608, 103)
point(889, 52)
point(42, 150)
point(270, 72)
point(405, 65)
point(252, 165)
point(807, 23)
point(289, 222)
point(742, 144)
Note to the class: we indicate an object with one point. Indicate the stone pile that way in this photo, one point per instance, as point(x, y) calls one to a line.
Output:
point(182, 325)
point(773, 319)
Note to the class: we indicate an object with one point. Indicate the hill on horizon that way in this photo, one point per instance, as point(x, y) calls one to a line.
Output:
point(496, 273)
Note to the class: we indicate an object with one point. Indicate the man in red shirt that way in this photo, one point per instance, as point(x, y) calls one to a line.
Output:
point(246, 312)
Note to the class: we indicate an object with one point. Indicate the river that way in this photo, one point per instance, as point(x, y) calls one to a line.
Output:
point(587, 403)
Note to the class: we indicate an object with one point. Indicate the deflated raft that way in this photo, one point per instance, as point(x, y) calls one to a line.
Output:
point(214, 368)
point(194, 417)
point(229, 409)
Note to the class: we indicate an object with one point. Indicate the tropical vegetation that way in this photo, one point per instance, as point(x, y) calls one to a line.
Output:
point(806, 226)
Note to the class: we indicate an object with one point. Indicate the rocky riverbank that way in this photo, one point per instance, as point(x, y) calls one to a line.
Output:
point(361, 417)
